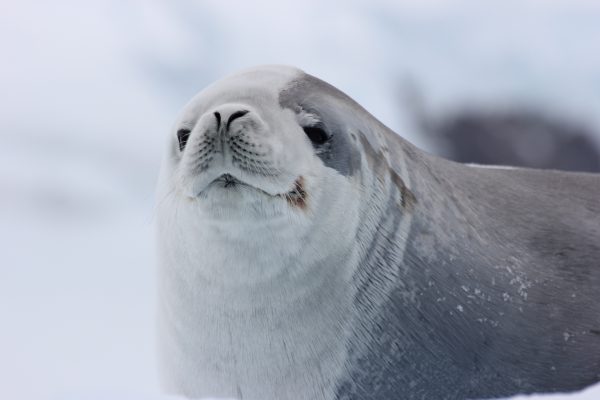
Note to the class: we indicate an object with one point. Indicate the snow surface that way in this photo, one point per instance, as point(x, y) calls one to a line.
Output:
point(592, 393)
point(90, 89)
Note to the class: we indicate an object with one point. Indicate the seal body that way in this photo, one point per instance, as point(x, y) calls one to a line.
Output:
point(308, 252)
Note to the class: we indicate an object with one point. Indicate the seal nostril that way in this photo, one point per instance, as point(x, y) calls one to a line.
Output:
point(218, 117)
point(183, 136)
point(235, 116)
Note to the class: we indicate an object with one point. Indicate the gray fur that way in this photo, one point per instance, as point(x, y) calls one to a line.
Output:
point(306, 94)
point(453, 282)
point(498, 289)
point(505, 271)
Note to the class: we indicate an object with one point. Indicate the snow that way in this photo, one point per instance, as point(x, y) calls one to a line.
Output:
point(89, 91)
point(592, 393)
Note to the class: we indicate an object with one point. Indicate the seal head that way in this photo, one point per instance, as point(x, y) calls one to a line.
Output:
point(238, 151)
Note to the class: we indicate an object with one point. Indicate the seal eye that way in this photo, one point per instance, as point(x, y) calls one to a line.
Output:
point(316, 135)
point(182, 136)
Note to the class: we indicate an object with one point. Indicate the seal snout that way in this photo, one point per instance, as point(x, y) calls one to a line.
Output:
point(230, 136)
point(241, 140)
point(232, 147)
point(231, 119)
point(235, 115)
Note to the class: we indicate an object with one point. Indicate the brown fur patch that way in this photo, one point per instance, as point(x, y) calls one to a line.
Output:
point(408, 200)
point(297, 197)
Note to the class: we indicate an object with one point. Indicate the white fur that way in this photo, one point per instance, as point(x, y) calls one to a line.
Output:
point(242, 272)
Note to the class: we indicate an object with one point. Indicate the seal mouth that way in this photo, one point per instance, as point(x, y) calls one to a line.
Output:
point(229, 180)
point(296, 196)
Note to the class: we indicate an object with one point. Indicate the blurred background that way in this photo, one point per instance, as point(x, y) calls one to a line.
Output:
point(88, 92)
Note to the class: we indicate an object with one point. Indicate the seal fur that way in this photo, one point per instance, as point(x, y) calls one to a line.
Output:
point(401, 275)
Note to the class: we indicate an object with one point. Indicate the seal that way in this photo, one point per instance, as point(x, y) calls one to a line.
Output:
point(306, 251)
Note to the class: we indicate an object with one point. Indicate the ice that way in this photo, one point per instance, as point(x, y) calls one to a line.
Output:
point(592, 393)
